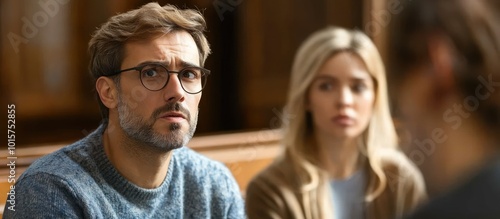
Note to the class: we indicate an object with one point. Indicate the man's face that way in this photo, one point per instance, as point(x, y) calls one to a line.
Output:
point(165, 119)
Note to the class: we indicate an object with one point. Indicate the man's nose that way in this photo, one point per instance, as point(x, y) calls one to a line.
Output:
point(174, 91)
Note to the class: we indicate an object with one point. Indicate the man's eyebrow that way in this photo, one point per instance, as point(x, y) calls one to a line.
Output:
point(153, 62)
point(184, 64)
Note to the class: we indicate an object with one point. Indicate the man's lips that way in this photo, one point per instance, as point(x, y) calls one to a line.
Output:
point(173, 116)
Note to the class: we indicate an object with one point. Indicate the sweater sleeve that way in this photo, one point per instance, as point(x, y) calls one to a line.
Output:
point(237, 207)
point(44, 196)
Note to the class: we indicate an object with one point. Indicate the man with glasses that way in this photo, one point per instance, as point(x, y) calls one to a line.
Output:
point(147, 65)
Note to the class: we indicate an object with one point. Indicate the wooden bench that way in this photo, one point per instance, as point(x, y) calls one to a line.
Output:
point(245, 154)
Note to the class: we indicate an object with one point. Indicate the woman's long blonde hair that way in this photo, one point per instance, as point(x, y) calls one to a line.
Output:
point(380, 133)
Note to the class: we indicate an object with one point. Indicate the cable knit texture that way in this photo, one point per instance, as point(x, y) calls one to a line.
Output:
point(79, 181)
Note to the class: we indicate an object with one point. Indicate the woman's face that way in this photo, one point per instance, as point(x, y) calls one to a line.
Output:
point(341, 97)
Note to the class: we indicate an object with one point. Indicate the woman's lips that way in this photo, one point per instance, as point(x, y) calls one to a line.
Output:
point(343, 120)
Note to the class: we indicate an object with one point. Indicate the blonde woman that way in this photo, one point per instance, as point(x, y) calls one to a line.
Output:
point(340, 157)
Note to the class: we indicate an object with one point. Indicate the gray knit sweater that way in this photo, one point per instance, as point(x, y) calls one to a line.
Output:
point(79, 181)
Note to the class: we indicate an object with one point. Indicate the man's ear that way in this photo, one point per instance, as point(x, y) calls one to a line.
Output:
point(108, 92)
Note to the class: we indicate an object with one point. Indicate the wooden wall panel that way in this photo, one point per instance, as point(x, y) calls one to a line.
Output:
point(46, 75)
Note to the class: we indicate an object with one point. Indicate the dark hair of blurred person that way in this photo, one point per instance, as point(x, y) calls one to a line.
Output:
point(446, 58)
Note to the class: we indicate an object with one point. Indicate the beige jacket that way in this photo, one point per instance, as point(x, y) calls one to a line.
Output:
point(272, 193)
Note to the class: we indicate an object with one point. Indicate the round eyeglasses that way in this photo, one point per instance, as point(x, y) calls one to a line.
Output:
point(155, 76)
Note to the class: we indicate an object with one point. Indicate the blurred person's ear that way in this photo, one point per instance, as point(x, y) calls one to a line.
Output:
point(108, 92)
point(441, 60)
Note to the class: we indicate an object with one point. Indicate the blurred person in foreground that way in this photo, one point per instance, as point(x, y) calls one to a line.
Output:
point(340, 157)
point(147, 65)
point(447, 66)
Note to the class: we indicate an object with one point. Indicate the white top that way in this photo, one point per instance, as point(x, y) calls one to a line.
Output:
point(348, 196)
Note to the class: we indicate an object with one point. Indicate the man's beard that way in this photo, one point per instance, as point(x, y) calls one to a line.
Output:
point(142, 131)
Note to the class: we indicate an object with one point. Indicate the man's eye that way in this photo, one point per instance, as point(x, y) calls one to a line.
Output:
point(149, 72)
point(190, 74)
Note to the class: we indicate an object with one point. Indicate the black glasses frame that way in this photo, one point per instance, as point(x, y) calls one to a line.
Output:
point(205, 73)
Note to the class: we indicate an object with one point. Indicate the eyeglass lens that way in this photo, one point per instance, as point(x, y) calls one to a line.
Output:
point(155, 77)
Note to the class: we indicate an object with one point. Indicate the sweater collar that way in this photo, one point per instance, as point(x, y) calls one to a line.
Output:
point(109, 173)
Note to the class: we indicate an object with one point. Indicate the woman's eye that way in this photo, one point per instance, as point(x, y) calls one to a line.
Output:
point(359, 87)
point(325, 86)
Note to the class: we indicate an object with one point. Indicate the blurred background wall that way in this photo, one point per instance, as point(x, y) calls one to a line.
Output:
point(44, 59)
